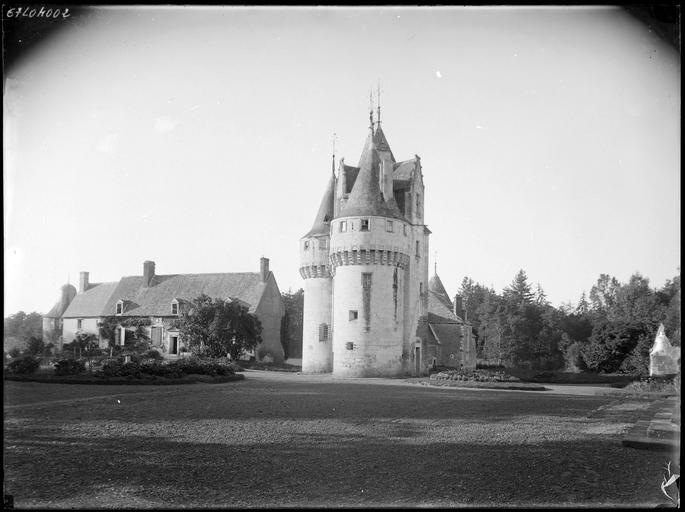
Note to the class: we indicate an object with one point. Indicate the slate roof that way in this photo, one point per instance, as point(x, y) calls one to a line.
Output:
point(365, 197)
point(156, 299)
point(443, 325)
point(382, 143)
point(435, 285)
point(92, 302)
point(322, 222)
point(445, 333)
point(438, 313)
point(403, 170)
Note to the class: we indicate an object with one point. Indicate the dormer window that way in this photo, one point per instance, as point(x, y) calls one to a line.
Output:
point(174, 307)
point(306, 245)
point(365, 225)
point(120, 307)
point(388, 226)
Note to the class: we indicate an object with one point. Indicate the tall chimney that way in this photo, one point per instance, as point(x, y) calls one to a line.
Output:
point(82, 282)
point(148, 272)
point(459, 306)
point(264, 268)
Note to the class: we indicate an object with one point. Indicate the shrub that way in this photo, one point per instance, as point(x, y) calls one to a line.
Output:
point(23, 365)
point(153, 354)
point(69, 367)
point(172, 369)
point(656, 384)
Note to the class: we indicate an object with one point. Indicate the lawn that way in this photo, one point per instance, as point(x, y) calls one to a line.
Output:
point(282, 439)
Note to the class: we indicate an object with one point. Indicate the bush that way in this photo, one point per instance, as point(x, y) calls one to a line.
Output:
point(173, 369)
point(23, 365)
point(473, 376)
point(656, 385)
point(153, 354)
point(69, 367)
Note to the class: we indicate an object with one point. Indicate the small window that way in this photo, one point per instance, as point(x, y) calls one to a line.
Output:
point(343, 226)
point(354, 314)
point(79, 323)
point(120, 308)
point(388, 226)
point(405, 230)
point(323, 332)
point(174, 308)
point(365, 225)
point(306, 245)
point(349, 345)
point(418, 249)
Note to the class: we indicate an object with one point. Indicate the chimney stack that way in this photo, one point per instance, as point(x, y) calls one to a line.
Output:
point(459, 307)
point(264, 268)
point(83, 282)
point(148, 272)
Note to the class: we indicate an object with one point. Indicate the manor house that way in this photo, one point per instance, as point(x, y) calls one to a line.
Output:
point(158, 299)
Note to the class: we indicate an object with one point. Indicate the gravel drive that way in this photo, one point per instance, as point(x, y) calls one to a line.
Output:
point(284, 439)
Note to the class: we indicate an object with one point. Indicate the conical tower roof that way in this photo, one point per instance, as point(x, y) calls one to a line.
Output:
point(366, 152)
point(382, 143)
point(365, 197)
point(435, 285)
point(322, 222)
point(68, 292)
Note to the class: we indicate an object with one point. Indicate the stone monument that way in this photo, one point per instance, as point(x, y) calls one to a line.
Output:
point(664, 359)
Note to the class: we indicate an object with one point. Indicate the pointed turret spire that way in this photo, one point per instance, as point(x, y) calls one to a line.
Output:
point(322, 222)
point(435, 285)
point(371, 111)
point(378, 97)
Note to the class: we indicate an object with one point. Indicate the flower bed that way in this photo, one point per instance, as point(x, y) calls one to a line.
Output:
point(465, 375)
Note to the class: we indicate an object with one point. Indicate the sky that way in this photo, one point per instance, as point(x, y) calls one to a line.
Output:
point(201, 139)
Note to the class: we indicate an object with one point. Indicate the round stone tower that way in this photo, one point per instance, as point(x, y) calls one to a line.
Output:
point(369, 258)
point(317, 355)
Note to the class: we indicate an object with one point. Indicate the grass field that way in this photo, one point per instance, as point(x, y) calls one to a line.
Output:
point(283, 439)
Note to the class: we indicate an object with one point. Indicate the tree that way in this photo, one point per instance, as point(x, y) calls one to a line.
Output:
point(35, 347)
point(609, 345)
point(85, 345)
point(519, 290)
point(292, 323)
point(603, 294)
point(583, 305)
point(216, 327)
point(479, 302)
point(23, 327)
point(540, 295)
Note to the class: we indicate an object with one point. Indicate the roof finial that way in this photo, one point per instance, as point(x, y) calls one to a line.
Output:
point(333, 160)
point(379, 101)
point(371, 109)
